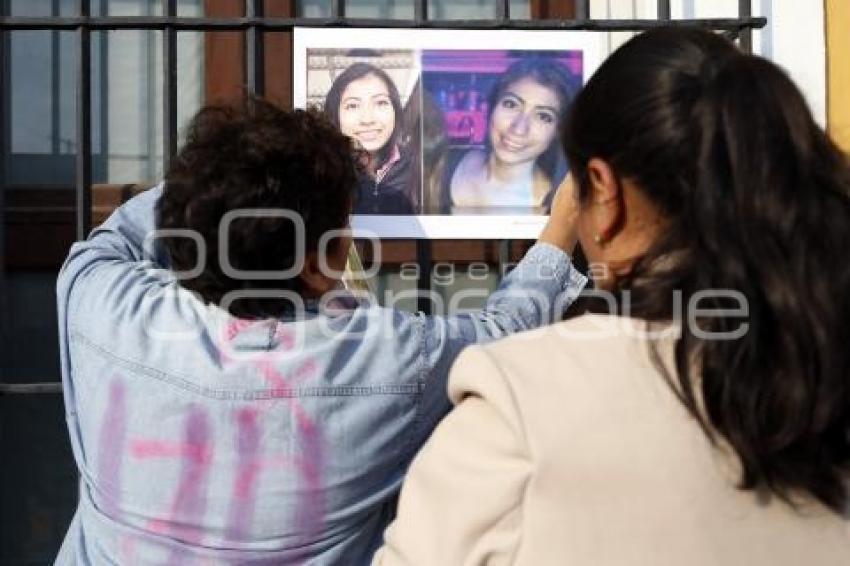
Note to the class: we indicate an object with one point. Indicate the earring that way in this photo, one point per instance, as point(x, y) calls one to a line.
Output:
point(597, 238)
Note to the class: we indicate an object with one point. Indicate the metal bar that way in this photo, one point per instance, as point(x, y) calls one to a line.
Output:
point(745, 11)
point(420, 11)
point(151, 114)
point(55, 118)
point(582, 10)
point(169, 88)
point(338, 9)
point(291, 52)
point(30, 388)
point(503, 10)
point(664, 12)
point(255, 51)
point(5, 128)
point(504, 256)
point(83, 180)
point(287, 24)
point(103, 92)
point(423, 285)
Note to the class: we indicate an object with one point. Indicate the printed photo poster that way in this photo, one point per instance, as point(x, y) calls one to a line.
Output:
point(458, 130)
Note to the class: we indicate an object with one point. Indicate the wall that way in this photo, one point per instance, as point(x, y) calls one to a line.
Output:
point(838, 97)
point(794, 37)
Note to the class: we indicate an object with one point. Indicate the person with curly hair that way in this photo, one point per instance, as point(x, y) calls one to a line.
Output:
point(226, 401)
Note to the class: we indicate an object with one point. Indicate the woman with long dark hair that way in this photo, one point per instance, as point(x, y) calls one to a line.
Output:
point(522, 162)
point(707, 420)
point(365, 104)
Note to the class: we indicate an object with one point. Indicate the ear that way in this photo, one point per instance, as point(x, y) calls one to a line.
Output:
point(315, 282)
point(606, 200)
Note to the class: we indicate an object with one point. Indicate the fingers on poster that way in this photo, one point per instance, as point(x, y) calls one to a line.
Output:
point(458, 130)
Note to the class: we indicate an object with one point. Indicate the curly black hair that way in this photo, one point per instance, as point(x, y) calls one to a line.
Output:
point(255, 155)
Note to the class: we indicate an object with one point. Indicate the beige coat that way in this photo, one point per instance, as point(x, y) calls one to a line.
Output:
point(567, 447)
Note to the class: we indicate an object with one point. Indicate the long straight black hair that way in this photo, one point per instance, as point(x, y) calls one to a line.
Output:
point(758, 201)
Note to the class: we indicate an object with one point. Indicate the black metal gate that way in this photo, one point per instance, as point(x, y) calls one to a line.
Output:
point(15, 394)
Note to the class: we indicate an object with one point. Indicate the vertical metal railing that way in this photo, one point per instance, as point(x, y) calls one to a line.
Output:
point(425, 261)
point(83, 211)
point(255, 72)
point(420, 11)
point(503, 10)
point(664, 12)
point(169, 88)
point(745, 10)
point(103, 96)
point(424, 248)
point(54, 84)
point(582, 9)
point(5, 128)
point(504, 252)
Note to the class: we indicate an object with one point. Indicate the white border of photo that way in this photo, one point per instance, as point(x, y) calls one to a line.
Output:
point(436, 226)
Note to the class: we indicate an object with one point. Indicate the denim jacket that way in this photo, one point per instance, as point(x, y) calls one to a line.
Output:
point(205, 439)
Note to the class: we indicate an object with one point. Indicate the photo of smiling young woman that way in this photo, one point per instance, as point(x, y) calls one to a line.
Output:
point(364, 102)
point(512, 162)
point(523, 124)
point(366, 113)
point(448, 132)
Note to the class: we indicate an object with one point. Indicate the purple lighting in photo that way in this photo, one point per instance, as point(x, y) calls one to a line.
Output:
point(459, 83)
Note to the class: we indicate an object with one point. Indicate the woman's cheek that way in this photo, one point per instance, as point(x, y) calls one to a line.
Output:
point(347, 121)
point(388, 118)
point(501, 119)
point(546, 133)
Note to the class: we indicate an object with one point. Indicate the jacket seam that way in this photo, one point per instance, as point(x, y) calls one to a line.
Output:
point(240, 394)
point(421, 382)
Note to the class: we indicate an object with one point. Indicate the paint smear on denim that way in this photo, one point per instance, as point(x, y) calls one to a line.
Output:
point(113, 432)
point(185, 517)
point(244, 489)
